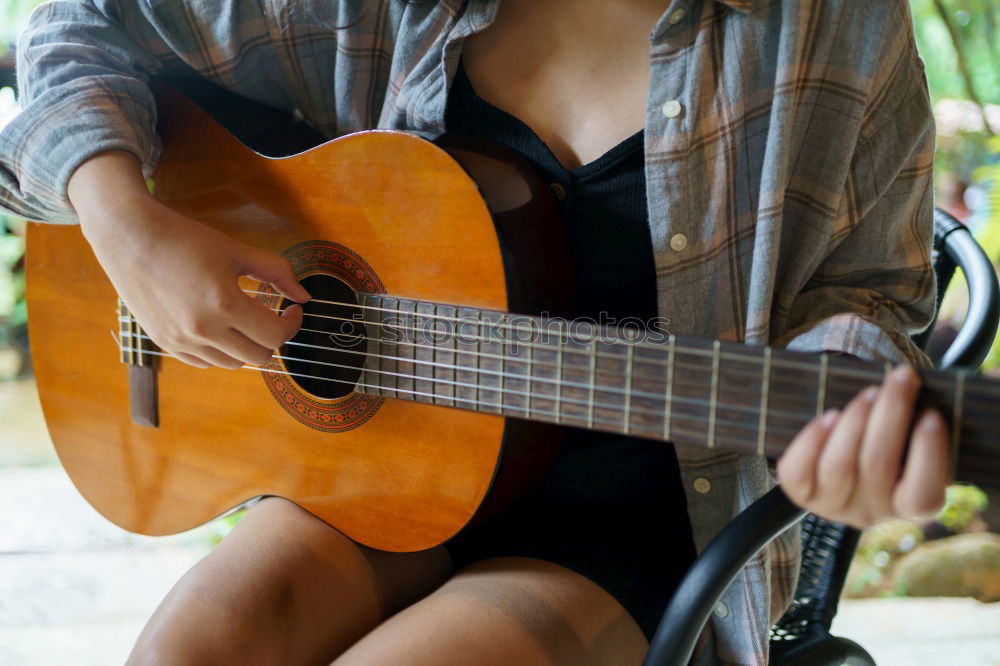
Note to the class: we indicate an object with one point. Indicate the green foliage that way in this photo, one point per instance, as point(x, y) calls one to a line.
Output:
point(224, 525)
point(11, 281)
point(13, 16)
point(976, 25)
point(962, 506)
point(13, 311)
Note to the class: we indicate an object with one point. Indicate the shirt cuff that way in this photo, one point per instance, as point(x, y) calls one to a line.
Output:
point(850, 333)
point(41, 151)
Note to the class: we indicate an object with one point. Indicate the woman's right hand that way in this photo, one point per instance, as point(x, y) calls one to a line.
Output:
point(178, 276)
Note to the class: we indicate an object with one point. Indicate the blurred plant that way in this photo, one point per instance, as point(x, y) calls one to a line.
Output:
point(13, 16)
point(12, 308)
point(960, 36)
point(224, 525)
point(962, 507)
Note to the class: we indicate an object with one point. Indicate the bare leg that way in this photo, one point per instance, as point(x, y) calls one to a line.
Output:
point(283, 588)
point(506, 611)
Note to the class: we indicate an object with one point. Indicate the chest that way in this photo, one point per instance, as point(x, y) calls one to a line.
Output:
point(576, 73)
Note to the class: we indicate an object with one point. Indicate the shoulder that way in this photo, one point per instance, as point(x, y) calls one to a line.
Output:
point(867, 46)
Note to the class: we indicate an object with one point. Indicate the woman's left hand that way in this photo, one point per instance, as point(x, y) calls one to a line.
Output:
point(848, 466)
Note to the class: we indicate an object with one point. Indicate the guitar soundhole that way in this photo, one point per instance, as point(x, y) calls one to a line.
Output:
point(325, 358)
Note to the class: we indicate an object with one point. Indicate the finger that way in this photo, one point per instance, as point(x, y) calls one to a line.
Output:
point(885, 439)
point(837, 473)
point(238, 346)
point(275, 270)
point(797, 466)
point(191, 360)
point(263, 326)
point(217, 357)
point(921, 489)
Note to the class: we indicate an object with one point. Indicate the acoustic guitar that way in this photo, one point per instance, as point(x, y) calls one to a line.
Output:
point(412, 402)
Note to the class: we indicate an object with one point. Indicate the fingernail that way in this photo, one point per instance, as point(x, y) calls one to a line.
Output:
point(903, 374)
point(828, 418)
point(868, 395)
point(931, 421)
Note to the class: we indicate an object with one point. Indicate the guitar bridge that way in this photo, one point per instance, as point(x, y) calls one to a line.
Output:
point(139, 353)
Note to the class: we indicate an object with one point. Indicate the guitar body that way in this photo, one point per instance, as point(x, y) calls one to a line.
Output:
point(387, 210)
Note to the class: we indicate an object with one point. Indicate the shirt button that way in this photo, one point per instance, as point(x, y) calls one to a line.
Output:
point(702, 485)
point(721, 610)
point(672, 108)
point(678, 242)
point(558, 191)
point(676, 16)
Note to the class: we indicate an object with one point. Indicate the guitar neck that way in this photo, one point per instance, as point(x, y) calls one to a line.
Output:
point(749, 400)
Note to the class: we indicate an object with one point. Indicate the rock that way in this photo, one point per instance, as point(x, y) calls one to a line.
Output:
point(966, 565)
point(864, 580)
point(894, 537)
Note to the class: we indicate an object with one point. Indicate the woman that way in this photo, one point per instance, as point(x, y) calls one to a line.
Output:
point(755, 170)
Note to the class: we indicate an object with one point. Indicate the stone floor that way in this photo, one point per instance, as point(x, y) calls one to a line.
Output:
point(75, 589)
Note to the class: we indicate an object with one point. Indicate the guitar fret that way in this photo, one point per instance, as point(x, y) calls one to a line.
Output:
point(423, 329)
point(466, 360)
point(405, 382)
point(516, 368)
point(593, 382)
point(764, 390)
point(528, 376)
point(627, 412)
point(824, 361)
point(387, 344)
point(559, 358)
point(372, 376)
point(491, 381)
point(503, 364)
point(668, 401)
point(444, 354)
point(479, 356)
point(715, 394)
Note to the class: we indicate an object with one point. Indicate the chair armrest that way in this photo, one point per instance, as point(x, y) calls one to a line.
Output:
point(976, 335)
point(713, 571)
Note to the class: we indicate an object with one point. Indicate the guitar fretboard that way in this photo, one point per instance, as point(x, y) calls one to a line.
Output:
point(648, 384)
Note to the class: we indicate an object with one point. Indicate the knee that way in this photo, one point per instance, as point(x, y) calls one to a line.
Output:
point(213, 616)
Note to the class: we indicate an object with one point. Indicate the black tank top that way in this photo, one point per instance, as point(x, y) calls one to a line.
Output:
point(612, 508)
point(603, 203)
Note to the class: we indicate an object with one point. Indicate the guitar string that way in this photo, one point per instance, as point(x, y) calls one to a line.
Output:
point(507, 375)
point(730, 371)
point(874, 377)
point(614, 424)
point(677, 363)
point(858, 372)
point(535, 361)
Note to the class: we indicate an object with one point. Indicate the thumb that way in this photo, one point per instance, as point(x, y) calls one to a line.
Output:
point(276, 271)
point(292, 320)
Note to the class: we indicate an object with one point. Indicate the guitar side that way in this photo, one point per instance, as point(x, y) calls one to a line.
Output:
point(407, 479)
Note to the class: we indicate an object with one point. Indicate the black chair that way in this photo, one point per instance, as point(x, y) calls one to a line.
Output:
point(802, 636)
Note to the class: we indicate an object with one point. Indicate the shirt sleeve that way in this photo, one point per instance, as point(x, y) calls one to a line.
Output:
point(83, 68)
point(876, 286)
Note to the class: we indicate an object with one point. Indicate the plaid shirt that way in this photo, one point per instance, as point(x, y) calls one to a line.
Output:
point(788, 166)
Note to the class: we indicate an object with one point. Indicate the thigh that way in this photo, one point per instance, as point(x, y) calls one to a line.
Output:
point(283, 588)
point(502, 611)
